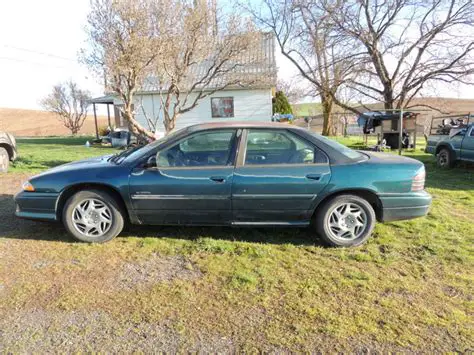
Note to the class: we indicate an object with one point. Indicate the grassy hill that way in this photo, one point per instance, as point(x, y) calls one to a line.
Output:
point(36, 123)
point(307, 109)
point(433, 105)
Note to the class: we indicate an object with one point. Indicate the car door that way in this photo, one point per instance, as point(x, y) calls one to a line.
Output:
point(191, 183)
point(467, 147)
point(277, 178)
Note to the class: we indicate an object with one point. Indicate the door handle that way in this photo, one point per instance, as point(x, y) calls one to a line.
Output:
point(217, 178)
point(313, 176)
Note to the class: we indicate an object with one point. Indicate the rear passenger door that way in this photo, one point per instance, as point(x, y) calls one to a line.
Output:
point(277, 177)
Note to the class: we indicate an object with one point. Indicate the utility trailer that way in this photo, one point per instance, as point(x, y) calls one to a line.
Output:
point(387, 124)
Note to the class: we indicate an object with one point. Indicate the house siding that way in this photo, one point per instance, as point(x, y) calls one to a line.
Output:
point(249, 105)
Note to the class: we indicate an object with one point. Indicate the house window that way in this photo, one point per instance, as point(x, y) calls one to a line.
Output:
point(222, 107)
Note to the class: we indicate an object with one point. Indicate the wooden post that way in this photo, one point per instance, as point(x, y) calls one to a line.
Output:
point(416, 127)
point(95, 119)
point(400, 133)
point(108, 116)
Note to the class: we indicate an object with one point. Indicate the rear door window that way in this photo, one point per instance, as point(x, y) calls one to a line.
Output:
point(268, 147)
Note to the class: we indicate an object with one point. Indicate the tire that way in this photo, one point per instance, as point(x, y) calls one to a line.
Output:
point(445, 159)
point(352, 228)
point(4, 160)
point(93, 216)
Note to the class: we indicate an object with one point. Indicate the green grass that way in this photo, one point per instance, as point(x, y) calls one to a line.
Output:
point(409, 288)
point(38, 154)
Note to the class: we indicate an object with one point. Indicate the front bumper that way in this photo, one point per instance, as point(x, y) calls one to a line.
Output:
point(36, 205)
point(399, 206)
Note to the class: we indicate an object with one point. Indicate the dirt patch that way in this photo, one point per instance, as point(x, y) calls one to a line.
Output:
point(39, 331)
point(43, 331)
point(153, 270)
point(10, 184)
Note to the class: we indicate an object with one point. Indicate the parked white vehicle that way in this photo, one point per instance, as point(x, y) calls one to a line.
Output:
point(8, 151)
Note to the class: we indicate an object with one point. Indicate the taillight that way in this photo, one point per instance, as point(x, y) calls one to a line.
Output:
point(418, 183)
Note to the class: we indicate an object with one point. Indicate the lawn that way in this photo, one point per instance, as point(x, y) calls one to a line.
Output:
point(220, 289)
point(38, 154)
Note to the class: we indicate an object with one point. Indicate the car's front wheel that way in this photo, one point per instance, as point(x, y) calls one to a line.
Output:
point(4, 160)
point(93, 216)
point(345, 221)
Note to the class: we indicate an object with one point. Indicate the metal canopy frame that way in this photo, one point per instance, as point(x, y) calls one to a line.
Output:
point(469, 115)
point(104, 100)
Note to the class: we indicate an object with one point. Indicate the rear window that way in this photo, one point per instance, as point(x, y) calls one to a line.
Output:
point(348, 152)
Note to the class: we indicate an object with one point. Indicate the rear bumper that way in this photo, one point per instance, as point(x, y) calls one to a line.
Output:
point(404, 205)
point(38, 206)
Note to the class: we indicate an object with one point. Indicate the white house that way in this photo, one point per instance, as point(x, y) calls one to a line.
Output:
point(232, 103)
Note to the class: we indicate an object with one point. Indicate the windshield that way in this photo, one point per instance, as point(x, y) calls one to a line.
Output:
point(119, 157)
point(135, 153)
point(348, 152)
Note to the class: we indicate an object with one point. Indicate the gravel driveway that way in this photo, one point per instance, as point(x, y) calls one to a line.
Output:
point(36, 323)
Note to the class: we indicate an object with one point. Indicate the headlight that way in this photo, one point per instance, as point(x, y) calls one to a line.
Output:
point(28, 187)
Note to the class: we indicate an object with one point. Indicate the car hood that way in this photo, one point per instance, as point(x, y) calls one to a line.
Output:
point(85, 164)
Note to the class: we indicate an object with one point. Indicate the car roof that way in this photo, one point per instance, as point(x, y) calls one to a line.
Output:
point(241, 124)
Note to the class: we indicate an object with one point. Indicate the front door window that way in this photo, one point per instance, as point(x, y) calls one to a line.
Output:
point(212, 148)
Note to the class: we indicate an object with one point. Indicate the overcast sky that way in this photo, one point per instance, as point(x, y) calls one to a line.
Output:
point(39, 43)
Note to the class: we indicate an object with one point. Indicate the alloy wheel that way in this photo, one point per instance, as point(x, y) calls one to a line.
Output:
point(347, 221)
point(92, 217)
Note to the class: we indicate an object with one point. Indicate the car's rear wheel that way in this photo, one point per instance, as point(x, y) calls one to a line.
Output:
point(345, 221)
point(4, 160)
point(93, 216)
point(444, 159)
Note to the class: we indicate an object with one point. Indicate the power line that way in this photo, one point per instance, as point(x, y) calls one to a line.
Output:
point(34, 63)
point(39, 52)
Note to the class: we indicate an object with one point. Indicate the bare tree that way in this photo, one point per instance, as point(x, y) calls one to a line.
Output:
point(305, 34)
point(206, 52)
point(69, 103)
point(122, 50)
point(183, 50)
point(347, 97)
point(408, 45)
point(292, 90)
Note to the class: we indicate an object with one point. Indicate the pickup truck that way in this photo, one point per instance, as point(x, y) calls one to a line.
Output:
point(8, 151)
point(457, 145)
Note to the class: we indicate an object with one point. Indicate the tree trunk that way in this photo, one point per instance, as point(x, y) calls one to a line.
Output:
point(169, 120)
point(134, 126)
point(388, 96)
point(328, 127)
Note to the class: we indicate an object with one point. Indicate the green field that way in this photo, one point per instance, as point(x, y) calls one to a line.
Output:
point(307, 109)
point(38, 154)
point(410, 288)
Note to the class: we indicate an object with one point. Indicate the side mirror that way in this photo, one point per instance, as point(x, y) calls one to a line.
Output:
point(151, 162)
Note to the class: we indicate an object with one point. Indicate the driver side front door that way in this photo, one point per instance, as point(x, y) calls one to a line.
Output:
point(191, 183)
